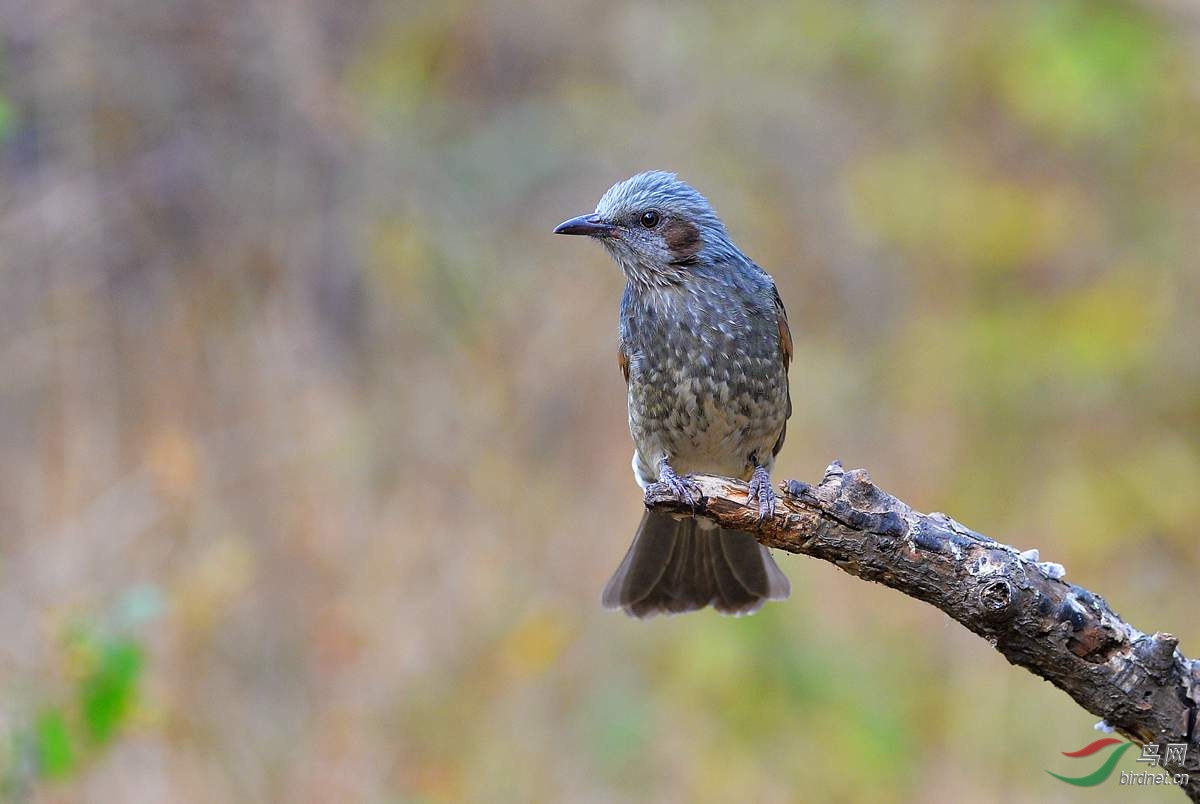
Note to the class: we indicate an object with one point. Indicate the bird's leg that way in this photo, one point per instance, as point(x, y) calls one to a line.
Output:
point(684, 488)
point(760, 490)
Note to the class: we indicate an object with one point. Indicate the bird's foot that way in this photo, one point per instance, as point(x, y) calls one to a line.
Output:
point(761, 491)
point(683, 487)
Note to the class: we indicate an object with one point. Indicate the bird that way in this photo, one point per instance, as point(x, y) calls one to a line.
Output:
point(704, 347)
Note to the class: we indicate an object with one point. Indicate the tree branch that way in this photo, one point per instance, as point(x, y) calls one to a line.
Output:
point(1140, 684)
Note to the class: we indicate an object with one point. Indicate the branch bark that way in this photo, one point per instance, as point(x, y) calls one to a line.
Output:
point(1140, 684)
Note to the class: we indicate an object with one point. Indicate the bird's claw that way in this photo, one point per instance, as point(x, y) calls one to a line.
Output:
point(762, 493)
point(684, 488)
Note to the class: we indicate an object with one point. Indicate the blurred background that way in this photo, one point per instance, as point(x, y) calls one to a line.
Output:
point(313, 450)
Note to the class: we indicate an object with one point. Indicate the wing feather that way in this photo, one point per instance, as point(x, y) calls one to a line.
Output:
point(623, 362)
point(785, 352)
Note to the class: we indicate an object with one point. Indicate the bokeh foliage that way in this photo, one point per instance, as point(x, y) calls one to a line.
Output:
point(66, 733)
point(289, 353)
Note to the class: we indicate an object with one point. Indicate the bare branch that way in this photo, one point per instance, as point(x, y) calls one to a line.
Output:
point(1141, 684)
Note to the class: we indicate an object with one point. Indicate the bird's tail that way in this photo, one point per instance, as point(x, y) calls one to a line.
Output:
point(681, 563)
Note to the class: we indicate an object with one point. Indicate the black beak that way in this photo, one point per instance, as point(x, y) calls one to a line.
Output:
point(586, 225)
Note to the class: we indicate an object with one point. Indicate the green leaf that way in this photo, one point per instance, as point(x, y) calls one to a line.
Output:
point(108, 693)
point(52, 740)
point(6, 117)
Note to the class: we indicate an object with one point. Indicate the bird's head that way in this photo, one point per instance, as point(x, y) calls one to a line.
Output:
point(656, 227)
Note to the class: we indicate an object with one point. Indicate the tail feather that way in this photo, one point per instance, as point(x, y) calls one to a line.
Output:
point(679, 563)
point(643, 568)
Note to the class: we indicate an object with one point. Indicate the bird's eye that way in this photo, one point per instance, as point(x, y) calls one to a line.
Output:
point(650, 218)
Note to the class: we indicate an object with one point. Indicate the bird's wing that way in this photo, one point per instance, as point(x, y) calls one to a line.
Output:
point(785, 352)
point(623, 361)
point(785, 332)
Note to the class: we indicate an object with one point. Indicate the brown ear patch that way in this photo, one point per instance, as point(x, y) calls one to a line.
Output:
point(683, 238)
